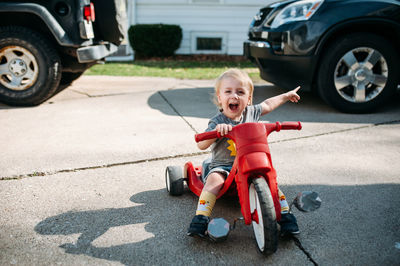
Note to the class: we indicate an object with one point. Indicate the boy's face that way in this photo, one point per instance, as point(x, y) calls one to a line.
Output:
point(233, 98)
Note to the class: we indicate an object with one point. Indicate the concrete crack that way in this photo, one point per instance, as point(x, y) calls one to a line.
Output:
point(338, 131)
point(176, 111)
point(300, 246)
point(37, 173)
point(16, 177)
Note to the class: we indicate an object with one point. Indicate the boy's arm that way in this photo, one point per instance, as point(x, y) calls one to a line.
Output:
point(223, 129)
point(272, 103)
point(202, 145)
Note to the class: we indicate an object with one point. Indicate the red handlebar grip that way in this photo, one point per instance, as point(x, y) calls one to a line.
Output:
point(291, 125)
point(206, 135)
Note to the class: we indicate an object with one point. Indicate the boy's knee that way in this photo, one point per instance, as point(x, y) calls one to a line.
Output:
point(216, 178)
point(214, 183)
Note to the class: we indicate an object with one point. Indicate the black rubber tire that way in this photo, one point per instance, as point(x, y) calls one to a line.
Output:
point(268, 224)
point(45, 57)
point(66, 80)
point(174, 180)
point(68, 77)
point(336, 50)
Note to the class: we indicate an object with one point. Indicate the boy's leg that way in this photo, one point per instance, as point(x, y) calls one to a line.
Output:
point(214, 182)
point(206, 203)
point(288, 222)
point(200, 221)
point(283, 202)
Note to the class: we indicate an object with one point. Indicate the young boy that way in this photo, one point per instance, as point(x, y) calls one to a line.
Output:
point(234, 95)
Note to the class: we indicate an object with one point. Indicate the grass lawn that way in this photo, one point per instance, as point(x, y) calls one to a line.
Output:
point(181, 69)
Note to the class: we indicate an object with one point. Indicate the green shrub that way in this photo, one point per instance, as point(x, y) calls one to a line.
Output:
point(155, 40)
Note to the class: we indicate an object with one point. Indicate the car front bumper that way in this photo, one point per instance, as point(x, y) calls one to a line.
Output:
point(286, 71)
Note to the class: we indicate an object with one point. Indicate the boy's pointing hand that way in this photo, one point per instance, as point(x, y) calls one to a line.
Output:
point(293, 96)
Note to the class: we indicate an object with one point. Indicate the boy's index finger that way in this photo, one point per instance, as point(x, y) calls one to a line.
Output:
point(297, 88)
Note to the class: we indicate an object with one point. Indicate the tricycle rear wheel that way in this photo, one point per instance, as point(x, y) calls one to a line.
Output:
point(174, 180)
point(262, 208)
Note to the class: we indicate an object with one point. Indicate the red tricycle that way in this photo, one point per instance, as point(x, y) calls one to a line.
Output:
point(252, 177)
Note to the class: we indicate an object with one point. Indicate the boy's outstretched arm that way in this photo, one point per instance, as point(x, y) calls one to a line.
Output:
point(272, 103)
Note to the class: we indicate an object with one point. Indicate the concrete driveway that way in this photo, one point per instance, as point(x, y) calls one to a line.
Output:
point(82, 179)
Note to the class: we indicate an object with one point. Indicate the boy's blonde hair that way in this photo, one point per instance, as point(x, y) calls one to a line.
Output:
point(237, 74)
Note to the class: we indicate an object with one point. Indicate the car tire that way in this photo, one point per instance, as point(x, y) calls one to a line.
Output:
point(30, 68)
point(361, 60)
point(68, 77)
point(66, 80)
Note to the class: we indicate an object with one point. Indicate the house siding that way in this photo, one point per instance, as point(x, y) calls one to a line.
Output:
point(228, 18)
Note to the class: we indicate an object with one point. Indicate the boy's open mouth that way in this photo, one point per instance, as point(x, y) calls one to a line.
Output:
point(233, 106)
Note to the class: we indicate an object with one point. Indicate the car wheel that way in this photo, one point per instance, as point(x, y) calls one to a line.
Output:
point(30, 68)
point(358, 73)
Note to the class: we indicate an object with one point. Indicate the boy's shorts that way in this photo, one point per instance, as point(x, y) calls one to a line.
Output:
point(225, 170)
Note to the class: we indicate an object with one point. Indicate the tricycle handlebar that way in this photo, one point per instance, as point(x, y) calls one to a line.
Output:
point(268, 126)
point(282, 126)
point(207, 135)
point(291, 125)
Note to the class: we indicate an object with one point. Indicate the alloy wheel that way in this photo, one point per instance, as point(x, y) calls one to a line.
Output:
point(361, 75)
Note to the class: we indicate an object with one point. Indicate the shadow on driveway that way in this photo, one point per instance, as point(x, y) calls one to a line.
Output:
point(355, 225)
point(196, 102)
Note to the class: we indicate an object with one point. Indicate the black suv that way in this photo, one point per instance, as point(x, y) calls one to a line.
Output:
point(45, 45)
point(347, 50)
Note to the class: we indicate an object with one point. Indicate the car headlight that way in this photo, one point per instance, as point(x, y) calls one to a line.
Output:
point(297, 11)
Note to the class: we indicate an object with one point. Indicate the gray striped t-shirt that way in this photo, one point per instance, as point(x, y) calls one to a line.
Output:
point(223, 150)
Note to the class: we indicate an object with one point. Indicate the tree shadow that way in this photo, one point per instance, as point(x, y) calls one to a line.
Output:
point(197, 102)
point(351, 217)
point(93, 224)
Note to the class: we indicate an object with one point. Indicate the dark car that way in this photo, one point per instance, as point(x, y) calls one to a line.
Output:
point(45, 45)
point(347, 50)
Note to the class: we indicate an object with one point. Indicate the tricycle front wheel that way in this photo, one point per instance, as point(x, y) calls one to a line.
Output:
point(264, 218)
point(174, 180)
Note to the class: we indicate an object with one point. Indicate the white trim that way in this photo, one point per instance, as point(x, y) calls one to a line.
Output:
point(232, 3)
point(206, 2)
point(120, 58)
point(131, 12)
point(196, 34)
